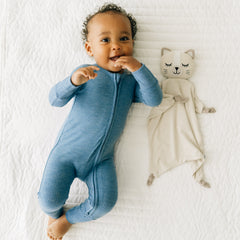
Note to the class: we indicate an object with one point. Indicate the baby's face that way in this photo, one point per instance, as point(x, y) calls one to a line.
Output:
point(109, 38)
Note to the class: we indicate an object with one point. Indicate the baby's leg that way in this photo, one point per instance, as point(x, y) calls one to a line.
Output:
point(102, 184)
point(57, 179)
point(55, 186)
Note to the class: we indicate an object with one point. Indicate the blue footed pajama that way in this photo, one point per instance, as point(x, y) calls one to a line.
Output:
point(84, 148)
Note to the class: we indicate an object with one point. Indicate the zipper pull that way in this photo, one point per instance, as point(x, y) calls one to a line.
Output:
point(117, 77)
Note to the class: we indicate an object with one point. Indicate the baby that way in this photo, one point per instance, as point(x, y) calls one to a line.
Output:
point(103, 94)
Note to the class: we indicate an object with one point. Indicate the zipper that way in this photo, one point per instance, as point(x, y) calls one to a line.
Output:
point(116, 82)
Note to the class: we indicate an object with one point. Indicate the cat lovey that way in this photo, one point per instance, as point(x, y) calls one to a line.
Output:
point(173, 128)
point(176, 64)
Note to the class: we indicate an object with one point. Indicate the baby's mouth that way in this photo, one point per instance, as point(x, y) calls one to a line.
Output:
point(115, 58)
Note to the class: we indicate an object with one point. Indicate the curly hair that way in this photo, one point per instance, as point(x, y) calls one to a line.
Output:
point(110, 8)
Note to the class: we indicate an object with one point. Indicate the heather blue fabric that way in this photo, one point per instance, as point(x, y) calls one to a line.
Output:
point(84, 148)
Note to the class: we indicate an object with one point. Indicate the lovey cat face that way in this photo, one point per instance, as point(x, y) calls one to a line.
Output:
point(175, 64)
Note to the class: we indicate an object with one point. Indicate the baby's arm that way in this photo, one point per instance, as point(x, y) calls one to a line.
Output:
point(147, 89)
point(63, 91)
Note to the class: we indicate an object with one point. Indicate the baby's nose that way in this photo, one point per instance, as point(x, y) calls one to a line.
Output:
point(116, 46)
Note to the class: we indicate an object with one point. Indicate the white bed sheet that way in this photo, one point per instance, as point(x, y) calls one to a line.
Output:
point(41, 44)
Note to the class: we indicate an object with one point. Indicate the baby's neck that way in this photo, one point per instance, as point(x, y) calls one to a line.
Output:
point(121, 71)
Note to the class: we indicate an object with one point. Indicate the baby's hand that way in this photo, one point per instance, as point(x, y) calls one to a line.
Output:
point(82, 75)
point(128, 62)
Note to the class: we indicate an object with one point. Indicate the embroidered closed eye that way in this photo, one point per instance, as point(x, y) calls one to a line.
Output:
point(168, 65)
point(185, 65)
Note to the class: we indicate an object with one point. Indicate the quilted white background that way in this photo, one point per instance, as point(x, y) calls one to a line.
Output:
point(41, 45)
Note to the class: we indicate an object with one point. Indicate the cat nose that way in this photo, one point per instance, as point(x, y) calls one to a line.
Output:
point(176, 68)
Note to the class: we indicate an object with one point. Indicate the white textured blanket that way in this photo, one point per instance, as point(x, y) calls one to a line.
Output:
point(41, 45)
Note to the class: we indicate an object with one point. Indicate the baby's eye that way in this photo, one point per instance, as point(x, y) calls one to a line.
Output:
point(106, 40)
point(125, 38)
point(168, 65)
point(185, 65)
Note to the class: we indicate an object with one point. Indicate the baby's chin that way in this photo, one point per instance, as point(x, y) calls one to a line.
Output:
point(114, 69)
point(110, 67)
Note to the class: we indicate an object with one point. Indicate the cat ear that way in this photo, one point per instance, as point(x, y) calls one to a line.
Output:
point(191, 53)
point(165, 49)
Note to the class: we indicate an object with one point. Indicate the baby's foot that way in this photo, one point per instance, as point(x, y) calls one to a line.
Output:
point(58, 228)
point(51, 220)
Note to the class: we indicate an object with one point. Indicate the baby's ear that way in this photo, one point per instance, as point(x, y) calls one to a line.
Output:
point(191, 53)
point(165, 49)
point(88, 48)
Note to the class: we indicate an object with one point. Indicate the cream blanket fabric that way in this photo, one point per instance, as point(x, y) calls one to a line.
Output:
point(174, 132)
